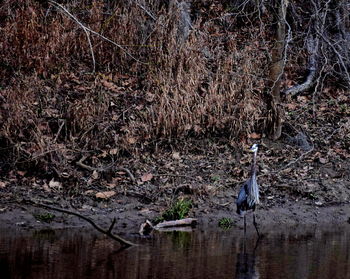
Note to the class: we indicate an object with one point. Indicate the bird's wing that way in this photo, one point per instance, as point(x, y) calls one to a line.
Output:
point(242, 195)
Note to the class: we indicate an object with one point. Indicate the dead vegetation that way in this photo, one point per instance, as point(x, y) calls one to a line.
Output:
point(85, 89)
point(55, 110)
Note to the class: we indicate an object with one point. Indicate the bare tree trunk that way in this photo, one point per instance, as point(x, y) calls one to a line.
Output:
point(278, 61)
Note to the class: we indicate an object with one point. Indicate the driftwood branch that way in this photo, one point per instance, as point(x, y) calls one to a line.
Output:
point(176, 223)
point(312, 45)
point(313, 48)
point(87, 219)
point(294, 90)
point(182, 224)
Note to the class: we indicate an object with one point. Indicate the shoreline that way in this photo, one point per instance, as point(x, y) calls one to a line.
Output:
point(276, 218)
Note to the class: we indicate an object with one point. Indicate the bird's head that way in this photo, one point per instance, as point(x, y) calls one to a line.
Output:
point(254, 148)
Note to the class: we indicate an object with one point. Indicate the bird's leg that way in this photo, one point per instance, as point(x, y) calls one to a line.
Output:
point(255, 225)
point(245, 225)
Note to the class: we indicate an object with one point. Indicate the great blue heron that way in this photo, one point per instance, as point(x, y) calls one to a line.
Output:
point(248, 196)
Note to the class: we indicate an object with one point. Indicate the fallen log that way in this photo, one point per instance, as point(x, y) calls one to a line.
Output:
point(176, 223)
point(147, 227)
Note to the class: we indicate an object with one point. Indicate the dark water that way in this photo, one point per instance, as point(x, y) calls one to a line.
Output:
point(298, 253)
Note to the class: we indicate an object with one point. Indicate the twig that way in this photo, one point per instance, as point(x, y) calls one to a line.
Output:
point(128, 172)
point(59, 131)
point(171, 175)
point(97, 227)
point(85, 29)
point(336, 130)
point(112, 225)
point(84, 166)
point(340, 58)
point(294, 161)
point(91, 49)
point(288, 164)
point(145, 10)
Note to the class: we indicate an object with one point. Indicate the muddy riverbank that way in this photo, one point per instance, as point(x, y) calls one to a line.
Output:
point(278, 218)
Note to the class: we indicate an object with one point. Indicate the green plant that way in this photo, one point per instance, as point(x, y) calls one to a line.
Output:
point(44, 217)
point(215, 178)
point(343, 108)
point(225, 223)
point(179, 210)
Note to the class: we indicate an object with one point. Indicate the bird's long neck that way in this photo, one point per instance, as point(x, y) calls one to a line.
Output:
point(253, 170)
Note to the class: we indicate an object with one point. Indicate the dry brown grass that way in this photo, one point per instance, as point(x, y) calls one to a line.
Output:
point(208, 85)
point(211, 84)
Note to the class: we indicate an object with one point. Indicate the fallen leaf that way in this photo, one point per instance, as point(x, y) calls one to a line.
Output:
point(302, 99)
point(55, 184)
point(146, 177)
point(105, 195)
point(46, 188)
point(322, 160)
point(291, 106)
point(111, 86)
point(113, 151)
point(2, 184)
point(21, 173)
point(255, 136)
point(108, 84)
point(88, 192)
point(131, 140)
point(95, 174)
point(111, 185)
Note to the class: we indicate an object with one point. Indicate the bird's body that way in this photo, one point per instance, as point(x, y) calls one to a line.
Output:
point(246, 199)
point(248, 196)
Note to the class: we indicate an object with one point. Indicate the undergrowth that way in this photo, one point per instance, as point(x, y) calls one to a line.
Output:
point(177, 211)
point(150, 88)
point(225, 223)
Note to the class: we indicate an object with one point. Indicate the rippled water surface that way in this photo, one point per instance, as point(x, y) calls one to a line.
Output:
point(312, 253)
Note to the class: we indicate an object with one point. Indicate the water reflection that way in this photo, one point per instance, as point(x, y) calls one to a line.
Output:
point(246, 262)
point(316, 253)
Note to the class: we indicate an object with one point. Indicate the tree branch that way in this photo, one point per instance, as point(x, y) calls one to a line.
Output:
point(97, 227)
